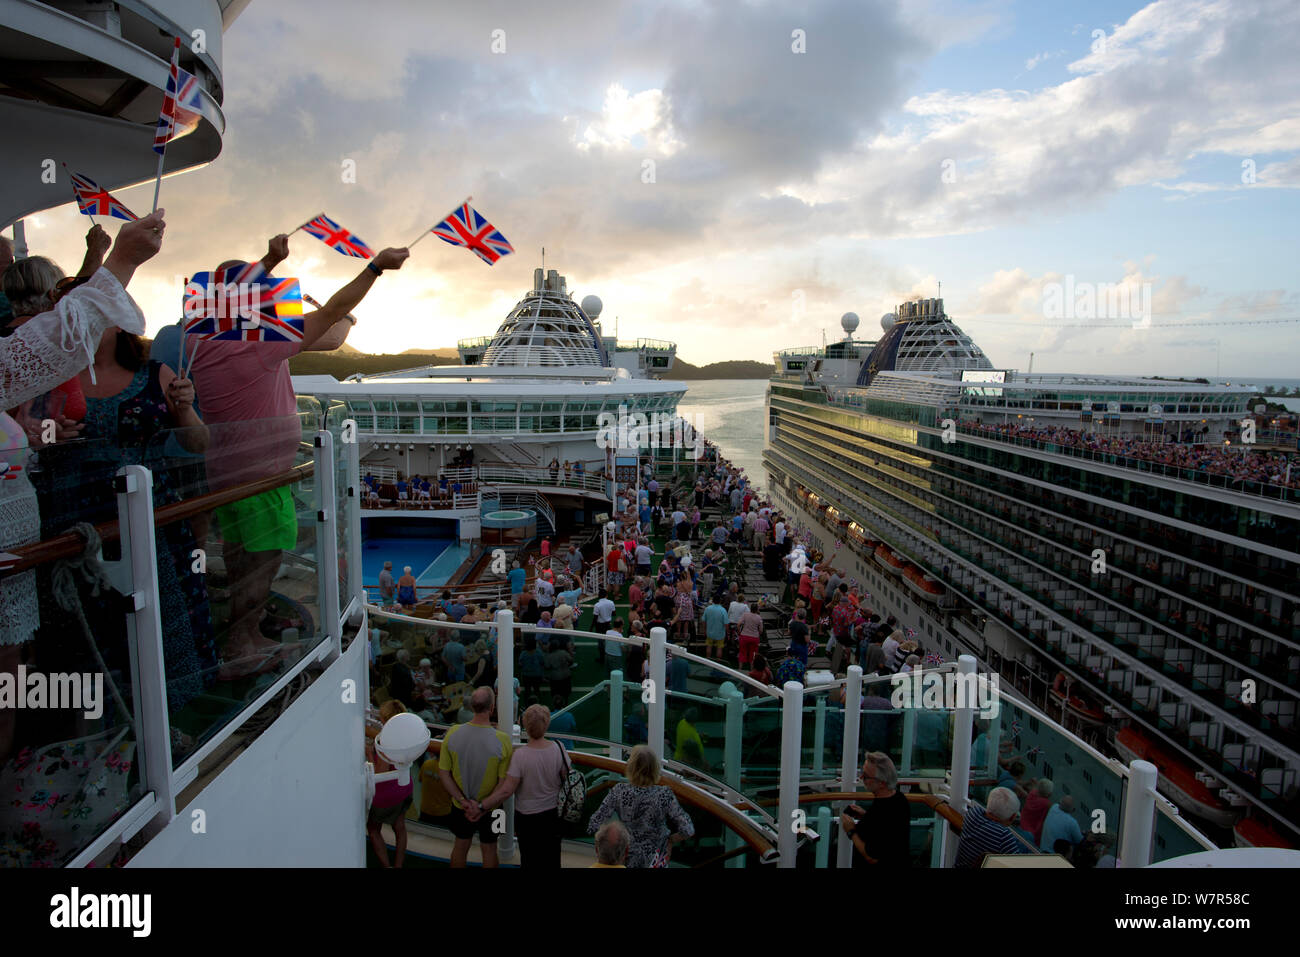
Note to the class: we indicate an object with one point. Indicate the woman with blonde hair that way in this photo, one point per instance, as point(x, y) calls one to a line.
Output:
point(648, 809)
point(536, 773)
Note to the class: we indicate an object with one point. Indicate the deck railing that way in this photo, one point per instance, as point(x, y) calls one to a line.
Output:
point(138, 623)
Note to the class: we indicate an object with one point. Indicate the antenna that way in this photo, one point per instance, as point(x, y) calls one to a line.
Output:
point(543, 262)
point(940, 289)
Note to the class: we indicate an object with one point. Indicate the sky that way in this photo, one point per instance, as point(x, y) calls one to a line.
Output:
point(736, 176)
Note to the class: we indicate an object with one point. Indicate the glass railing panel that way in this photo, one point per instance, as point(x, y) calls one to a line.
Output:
point(71, 755)
point(823, 817)
point(335, 417)
point(238, 582)
point(1038, 748)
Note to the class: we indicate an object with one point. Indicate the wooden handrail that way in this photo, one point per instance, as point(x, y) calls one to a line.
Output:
point(932, 801)
point(755, 839)
point(70, 544)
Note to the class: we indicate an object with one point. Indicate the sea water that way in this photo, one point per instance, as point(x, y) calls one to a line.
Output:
point(731, 413)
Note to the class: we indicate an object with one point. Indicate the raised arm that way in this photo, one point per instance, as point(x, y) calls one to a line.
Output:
point(318, 323)
point(97, 243)
point(54, 346)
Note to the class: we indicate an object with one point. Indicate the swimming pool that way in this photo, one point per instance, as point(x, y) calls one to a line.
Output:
point(432, 561)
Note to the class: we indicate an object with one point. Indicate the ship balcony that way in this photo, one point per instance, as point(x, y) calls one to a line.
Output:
point(769, 752)
point(88, 90)
point(1028, 612)
point(1172, 473)
point(152, 622)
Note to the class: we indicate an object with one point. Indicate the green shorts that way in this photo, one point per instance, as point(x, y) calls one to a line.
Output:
point(266, 522)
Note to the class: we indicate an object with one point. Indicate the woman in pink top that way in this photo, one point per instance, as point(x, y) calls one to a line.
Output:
point(536, 773)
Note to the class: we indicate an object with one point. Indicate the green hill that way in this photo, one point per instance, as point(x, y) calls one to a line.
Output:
point(731, 369)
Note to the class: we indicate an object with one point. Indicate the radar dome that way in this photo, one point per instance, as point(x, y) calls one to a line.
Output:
point(592, 305)
point(887, 321)
point(849, 322)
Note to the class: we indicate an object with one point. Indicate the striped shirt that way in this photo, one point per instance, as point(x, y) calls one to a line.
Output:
point(981, 835)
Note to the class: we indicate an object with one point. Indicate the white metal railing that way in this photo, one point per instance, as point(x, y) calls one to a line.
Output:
point(136, 576)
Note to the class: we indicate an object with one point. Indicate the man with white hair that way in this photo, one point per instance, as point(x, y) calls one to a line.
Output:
point(612, 843)
point(879, 833)
point(988, 830)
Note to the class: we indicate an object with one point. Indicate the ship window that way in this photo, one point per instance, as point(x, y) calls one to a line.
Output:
point(456, 406)
point(432, 407)
point(383, 405)
point(553, 407)
point(530, 406)
point(455, 425)
point(359, 405)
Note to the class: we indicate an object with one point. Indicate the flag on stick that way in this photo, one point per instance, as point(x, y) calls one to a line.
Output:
point(181, 107)
point(465, 226)
point(266, 310)
point(182, 104)
point(94, 201)
point(337, 238)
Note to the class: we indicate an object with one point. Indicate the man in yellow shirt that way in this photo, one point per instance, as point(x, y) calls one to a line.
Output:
point(474, 760)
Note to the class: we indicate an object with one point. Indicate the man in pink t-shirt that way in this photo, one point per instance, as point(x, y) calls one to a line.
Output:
point(251, 411)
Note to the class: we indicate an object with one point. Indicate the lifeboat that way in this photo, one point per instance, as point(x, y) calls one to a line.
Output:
point(1177, 781)
point(1255, 832)
point(888, 560)
point(1079, 708)
point(922, 585)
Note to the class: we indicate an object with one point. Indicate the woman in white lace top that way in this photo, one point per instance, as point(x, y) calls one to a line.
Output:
point(45, 352)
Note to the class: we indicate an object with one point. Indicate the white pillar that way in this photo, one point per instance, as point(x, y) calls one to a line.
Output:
point(1139, 822)
point(134, 487)
point(791, 744)
point(849, 764)
point(506, 711)
point(961, 741)
point(658, 689)
point(353, 519)
point(327, 558)
point(616, 713)
point(819, 734)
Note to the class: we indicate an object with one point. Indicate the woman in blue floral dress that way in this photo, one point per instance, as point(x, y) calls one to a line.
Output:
point(132, 406)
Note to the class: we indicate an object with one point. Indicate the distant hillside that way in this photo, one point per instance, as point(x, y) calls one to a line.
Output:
point(344, 362)
point(732, 369)
point(348, 361)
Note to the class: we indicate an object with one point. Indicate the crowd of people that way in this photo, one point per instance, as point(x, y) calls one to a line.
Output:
point(415, 491)
point(1237, 463)
point(84, 394)
point(475, 768)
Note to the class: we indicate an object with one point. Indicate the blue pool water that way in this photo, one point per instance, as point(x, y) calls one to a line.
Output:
point(432, 560)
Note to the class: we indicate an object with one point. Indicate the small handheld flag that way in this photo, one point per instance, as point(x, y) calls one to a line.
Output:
point(466, 227)
point(266, 310)
point(182, 104)
point(93, 201)
point(337, 238)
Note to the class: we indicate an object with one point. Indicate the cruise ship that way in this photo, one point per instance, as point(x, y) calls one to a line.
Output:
point(1121, 550)
point(990, 540)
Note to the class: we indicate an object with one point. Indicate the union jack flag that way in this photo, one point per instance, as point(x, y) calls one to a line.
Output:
point(933, 658)
point(181, 107)
point(337, 238)
point(94, 201)
point(467, 227)
point(236, 305)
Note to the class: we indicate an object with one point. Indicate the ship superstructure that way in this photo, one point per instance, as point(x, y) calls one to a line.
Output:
point(1091, 537)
